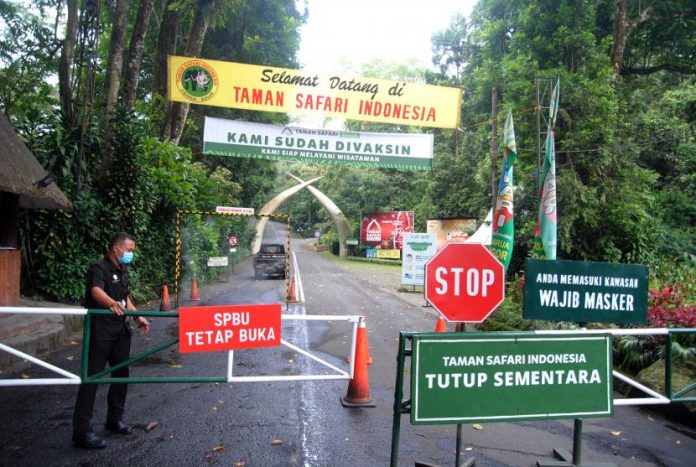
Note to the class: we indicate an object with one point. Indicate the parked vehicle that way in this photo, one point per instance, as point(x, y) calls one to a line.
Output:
point(270, 261)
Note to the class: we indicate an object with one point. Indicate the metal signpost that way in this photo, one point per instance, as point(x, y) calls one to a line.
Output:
point(582, 292)
point(459, 378)
point(464, 282)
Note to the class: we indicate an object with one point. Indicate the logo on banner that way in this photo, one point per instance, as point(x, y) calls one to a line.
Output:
point(374, 231)
point(197, 80)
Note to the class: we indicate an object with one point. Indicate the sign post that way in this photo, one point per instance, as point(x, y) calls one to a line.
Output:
point(583, 292)
point(464, 282)
point(462, 378)
point(232, 240)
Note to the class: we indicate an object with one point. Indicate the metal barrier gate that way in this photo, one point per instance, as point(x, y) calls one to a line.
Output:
point(402, 407)
point(100, 377)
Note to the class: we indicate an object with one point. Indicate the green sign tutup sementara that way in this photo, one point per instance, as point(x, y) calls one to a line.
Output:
point(495, 377)
point(586, 292)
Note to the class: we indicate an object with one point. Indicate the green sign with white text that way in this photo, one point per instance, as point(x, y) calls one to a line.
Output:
point(586, 292)
point(495, 377)
point(410, 151)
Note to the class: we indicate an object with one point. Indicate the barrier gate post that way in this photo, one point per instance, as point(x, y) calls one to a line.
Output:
point(400, 407)
point(461, 327)
point(566, 458)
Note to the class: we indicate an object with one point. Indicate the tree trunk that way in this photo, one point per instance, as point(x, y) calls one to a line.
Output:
point(115, 59)
point(64, 67)
point(176, 117)
point(113, 81)
point(166, 45)
point(621, 32)
point(623, 26)
point(135, 52)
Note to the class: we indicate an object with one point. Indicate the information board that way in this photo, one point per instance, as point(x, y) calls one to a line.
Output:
point(494, 377)
point(584, 291)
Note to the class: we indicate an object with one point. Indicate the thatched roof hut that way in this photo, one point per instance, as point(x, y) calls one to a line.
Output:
point(23, 184)
point(21, 173)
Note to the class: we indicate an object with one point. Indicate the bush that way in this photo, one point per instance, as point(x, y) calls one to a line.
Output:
point(154, 180)
point(667, 307)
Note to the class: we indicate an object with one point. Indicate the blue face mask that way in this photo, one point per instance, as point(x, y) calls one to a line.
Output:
point(126, 258)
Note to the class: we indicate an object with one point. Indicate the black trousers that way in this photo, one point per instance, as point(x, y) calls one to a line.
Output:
point(100, 352)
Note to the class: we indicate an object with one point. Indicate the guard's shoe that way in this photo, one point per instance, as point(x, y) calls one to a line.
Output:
point(119, 428)
point(89, 440)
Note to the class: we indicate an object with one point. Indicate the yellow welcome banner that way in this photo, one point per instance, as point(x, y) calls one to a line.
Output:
point(271, 89)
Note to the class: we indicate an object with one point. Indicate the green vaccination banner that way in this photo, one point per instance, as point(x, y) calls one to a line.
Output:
point(586, 292)
point(232, 138)
point(495, 377)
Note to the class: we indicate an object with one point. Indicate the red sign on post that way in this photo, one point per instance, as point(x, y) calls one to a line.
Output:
point(228, 327)
point(464, 282)
point(232, 241)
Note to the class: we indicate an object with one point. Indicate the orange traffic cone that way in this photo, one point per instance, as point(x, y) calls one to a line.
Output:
point(165, 304)
point(441, 324)
point(194, 290)
point(359, 387)
point(369, 357)
point(292, 295)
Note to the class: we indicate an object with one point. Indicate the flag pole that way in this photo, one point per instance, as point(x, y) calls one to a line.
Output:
point(494, 146)
point(538, 118)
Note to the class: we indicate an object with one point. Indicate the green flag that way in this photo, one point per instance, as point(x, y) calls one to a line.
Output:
point(545, 234)
point(553, 108)
point(503, 222)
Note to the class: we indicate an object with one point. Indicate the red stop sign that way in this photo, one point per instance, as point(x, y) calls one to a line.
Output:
point(464, 282)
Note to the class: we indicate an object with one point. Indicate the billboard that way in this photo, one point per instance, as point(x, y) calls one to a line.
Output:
point(446, 230)
point(410, 151)
point(384, 230)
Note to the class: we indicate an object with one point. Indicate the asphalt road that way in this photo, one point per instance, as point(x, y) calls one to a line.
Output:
point(302, 423)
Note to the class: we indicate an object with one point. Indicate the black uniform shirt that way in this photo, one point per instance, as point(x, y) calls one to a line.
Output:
point(113, 279)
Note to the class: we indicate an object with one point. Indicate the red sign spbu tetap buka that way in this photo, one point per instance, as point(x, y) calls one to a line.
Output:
point(229, 327)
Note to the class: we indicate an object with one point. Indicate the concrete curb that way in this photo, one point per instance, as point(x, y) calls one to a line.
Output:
point(36, 335)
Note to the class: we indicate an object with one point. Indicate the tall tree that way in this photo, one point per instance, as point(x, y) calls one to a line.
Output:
point(112, 83)
point(206, 12)
point(623, 26)
point(119, 28)
point(660, 37)
point(167, 35)
point(135, 52)
point(66, 61)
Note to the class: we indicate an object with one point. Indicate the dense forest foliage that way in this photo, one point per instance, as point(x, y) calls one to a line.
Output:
point(84, 84)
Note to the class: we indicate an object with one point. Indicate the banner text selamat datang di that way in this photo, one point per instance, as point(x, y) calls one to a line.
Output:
point(271, 89)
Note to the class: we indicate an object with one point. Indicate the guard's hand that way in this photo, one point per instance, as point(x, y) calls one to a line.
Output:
point(116, 308)
point(143, 325)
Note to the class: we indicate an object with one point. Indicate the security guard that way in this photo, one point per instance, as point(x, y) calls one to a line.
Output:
point(108, 288)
